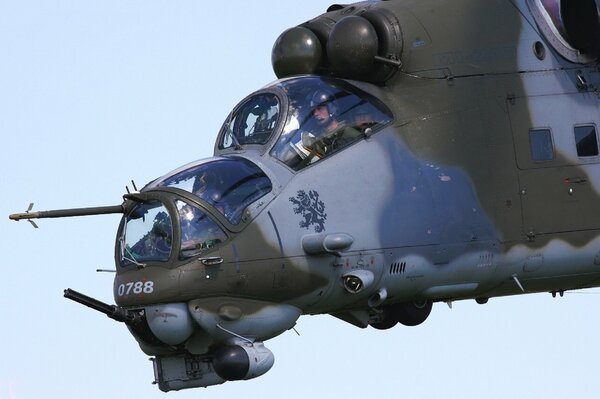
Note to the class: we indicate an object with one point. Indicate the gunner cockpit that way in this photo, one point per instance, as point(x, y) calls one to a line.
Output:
point(190, 211)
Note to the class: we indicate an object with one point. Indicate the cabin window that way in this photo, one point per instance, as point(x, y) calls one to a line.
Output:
point(540, 142)
point(586, 140)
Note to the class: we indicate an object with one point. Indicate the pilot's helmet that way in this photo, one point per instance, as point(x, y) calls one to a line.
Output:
point(324, 98)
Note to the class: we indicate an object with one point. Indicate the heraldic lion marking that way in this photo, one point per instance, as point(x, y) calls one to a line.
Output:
point(311, 208)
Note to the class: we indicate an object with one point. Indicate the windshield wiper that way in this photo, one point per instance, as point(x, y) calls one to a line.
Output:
point(132, 259)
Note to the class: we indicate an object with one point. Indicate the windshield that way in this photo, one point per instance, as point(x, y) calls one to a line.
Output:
point(252, 123)
point(148, 234)
point(198, 232)
point(325, 116)
point(228, 184)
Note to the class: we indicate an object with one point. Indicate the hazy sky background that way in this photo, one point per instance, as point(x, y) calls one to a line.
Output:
point(94, 94)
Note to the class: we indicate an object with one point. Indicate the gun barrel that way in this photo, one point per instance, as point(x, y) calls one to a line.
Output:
point(61, 213)
point(114, 312)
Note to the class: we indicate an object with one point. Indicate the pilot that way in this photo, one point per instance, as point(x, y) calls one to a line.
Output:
point(331, 134)
point(324, 111)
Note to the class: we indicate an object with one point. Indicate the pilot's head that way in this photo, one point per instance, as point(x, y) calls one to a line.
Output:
point(323, 107)
point(321, 114)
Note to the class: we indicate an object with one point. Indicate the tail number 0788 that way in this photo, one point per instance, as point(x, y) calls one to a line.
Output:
point(136, 288)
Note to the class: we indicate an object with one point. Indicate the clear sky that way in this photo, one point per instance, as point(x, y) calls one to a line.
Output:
point(95, 94)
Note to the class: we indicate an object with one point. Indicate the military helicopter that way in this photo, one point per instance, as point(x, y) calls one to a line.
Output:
point(397, 162)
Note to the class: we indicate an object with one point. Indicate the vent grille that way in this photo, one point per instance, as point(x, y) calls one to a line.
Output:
point(397, 267)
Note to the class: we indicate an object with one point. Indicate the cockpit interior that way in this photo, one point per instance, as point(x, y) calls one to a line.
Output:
point(303, 120)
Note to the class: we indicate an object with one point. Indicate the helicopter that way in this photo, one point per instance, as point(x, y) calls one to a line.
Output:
point(450, 146)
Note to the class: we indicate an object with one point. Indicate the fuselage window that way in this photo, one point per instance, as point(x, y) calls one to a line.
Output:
point(586, 140)
point(540, 141)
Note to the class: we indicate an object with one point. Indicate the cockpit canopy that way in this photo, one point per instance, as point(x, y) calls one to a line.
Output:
point(179, 213)
point(149, 235)
point(228, 184)
point(304, 119)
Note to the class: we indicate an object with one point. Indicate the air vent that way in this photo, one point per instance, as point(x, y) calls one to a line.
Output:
point(397, 267)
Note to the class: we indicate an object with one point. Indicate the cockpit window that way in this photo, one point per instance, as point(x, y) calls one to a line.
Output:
point(198, 232)
point(325, 116)
point(252, 123)
point(228, 184)
point(148, 234)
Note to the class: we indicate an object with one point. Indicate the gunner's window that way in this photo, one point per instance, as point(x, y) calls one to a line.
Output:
point(198, 232)
point(325, 116)
point(252, 123)
point(148, 234)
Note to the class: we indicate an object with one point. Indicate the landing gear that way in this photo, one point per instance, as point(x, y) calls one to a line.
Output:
point(408, 314)
point(387, 319)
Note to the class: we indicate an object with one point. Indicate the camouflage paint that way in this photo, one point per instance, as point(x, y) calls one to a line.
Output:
point(443, 204)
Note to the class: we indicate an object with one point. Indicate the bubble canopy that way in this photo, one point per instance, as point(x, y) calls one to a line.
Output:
point(303, 119)
point(172, 222)
point(229, 184)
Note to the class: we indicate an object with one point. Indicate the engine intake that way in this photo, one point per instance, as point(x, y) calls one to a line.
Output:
point(571, 27)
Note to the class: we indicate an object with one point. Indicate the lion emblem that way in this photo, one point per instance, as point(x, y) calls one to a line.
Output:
point(311, 208)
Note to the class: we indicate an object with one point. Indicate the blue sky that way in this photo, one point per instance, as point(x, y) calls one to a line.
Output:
point(95, 94)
